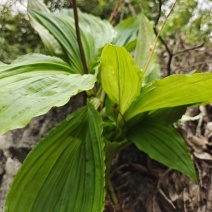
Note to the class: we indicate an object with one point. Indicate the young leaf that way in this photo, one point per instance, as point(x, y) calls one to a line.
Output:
point(173, 91)
point(65, 171)
point(163, 143)
point(146, 40)
point(32, 85)
point(121, 79)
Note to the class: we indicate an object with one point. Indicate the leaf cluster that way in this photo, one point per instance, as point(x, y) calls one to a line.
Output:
point(127, 102)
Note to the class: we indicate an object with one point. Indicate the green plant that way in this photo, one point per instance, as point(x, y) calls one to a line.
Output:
point(69, 169)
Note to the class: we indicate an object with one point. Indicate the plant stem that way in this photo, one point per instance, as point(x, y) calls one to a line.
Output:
point(82, 53)
point(154, 47)
point(112, 192)
point(111, 149)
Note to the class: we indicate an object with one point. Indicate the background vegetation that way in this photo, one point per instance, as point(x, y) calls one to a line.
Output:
point(188, 28)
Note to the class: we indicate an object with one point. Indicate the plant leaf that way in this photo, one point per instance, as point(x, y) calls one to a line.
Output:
point(32, 85)
point(95, 33)
point(163, 143)
point(121, 79)
point(127, 32)
point(48, 39)
point(38, 5)
point(64, 32)
point(100, 31)
point(146, 39)
point(173, 91)
point(168, 115)
point(65, 171)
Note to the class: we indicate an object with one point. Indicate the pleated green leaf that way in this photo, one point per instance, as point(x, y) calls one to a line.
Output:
point(163, 144)
point(95, 33)
point(32, 85)
point(121, 79)
point(49, 41)
point(65, 172)
point(173, 91)
point(127, 32)
point(145, 41)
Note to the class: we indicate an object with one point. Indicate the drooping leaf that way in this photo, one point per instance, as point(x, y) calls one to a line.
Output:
point(49, 41)
point(173, 91)
point(32, 85)
point(169, 115)
point(163, 143)
point(127, 32)
point(65, 171)
point(121, 79)
point(95, 33)
point(64, 32)
point(145, 41)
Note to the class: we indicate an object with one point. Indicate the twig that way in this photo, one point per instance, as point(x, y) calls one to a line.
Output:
point(131, 8)
point(159, 14)
point(170, 54)
point(169, 71)
point(154, 47)
point(189, 49)
point(76, 21)
point(115, 11)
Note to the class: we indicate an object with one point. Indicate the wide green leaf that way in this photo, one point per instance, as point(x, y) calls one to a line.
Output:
point(173, 91)
point(32, 85)
point(145, 41)
point(164, 144)
point(121, 79)
point(65, 171)
point(95, 33)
